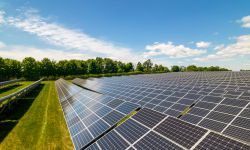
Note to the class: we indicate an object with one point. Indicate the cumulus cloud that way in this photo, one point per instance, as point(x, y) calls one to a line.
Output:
point(68, 38)
point(169, 49)
point(19, 52)
point(245, 21)
point(203, 44)
point(239, 48)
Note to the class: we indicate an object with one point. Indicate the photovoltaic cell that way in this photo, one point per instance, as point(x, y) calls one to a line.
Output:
point(218, 142)
point(87, 115)
point(212, 125)
point(82, 139)
point(127, 107)
point(113, 117)
point(239, 133)
point(112, 141)
point(219, 101)
point(131, 130)
point(181, 132)
point(153, 141)
point(148, 117)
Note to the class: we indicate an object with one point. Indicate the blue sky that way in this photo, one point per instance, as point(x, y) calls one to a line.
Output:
point(204, 33)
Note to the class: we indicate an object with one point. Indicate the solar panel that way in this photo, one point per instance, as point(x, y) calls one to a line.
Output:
point(148, 117)
point(88, 114)
point(131, 130)
point(169, 133)
point(218, 100)
point(215, 141)
point(154, 141)
point(112, 141)
point(181, 132)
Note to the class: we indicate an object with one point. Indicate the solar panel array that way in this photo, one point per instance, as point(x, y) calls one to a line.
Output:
point(219, 101)
point(88, 114)
point(149, 129)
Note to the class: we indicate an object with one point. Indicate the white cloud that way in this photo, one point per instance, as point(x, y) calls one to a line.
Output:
point(174, 51)
point(245, 21)
point(19, 52)
point(239, 48)
point(203, 44)
point(2, 44)
point(219, 47)
point(2, 16)
point(69, 38)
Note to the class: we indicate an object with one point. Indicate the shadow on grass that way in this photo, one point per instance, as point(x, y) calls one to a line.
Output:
point(10, 117)
point(10, 87)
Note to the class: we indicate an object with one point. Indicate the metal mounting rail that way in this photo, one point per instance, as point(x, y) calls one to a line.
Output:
point(10, 98)
point(9, 82)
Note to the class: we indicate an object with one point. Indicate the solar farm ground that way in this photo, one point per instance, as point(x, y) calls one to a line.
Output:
point(36, 122)
point(13, 88)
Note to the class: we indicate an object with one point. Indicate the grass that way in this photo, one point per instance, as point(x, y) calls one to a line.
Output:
point(127, 117)
point(36, 122)
point(13, 88)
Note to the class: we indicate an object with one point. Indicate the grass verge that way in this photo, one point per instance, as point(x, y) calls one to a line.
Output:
point(7, 90)
point(127, 117)
point(36, 122)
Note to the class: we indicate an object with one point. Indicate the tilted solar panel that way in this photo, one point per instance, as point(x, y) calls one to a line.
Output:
point(218, 100)
point(168, 133)
point(88, 114)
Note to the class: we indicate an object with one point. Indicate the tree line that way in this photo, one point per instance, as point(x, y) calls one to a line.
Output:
point(31, 69)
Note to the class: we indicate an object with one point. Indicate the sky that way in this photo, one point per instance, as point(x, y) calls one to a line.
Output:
point(169, 32)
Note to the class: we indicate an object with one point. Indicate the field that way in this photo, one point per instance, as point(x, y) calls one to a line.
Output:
point(13, 88)
point(35, 122)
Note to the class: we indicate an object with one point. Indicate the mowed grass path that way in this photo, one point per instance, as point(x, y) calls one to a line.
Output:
point(42, 126)
point(14, 88)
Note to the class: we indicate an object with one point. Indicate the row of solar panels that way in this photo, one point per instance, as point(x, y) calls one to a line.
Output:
point(149, 129)
point(227, 113)
point(7, 100)
point(9, 82)
point(91, 116)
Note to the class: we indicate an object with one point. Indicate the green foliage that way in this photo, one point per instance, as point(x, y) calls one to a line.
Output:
point(175, 68)
point(47, 67)
point(147, 65)
point(139, 67)
point(99, 67)
point(30, 68)
point(192, 68)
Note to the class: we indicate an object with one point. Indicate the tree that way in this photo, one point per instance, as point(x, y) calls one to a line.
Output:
point(61, 68)
point(175, 69)
point(147, 65)
point(129, 67)
point(72, 67)
point(99, 65)
point(2, 69)
point(139, 67)
point(92, 66)
point(192, 68)
point(166, 69)
point(161, 68)
point(121, 67)
point(84, 67)
point(30, 68)
point(109, 66)
point(155, 68)
point(183, 69)
point(47, 67)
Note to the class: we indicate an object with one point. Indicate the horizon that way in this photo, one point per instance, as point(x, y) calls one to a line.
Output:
point(201, 33)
